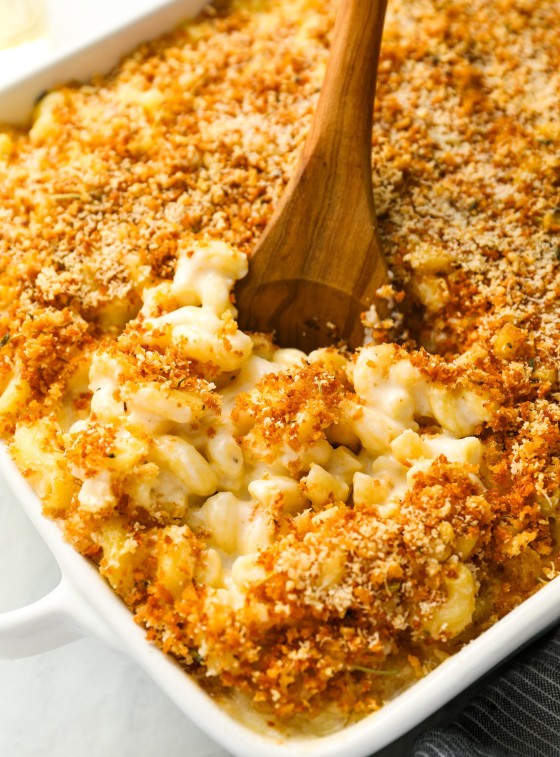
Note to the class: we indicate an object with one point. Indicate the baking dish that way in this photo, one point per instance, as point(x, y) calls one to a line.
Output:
point(83, 603)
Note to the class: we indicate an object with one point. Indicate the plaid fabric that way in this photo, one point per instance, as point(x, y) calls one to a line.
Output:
point(518, 714)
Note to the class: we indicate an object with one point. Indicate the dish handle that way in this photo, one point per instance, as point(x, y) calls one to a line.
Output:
point(46, 624)
point(67, 612)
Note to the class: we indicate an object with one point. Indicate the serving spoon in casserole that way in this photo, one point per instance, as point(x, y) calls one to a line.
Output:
point(319, 265)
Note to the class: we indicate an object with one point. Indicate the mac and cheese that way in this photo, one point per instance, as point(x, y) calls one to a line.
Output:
point(311, 533)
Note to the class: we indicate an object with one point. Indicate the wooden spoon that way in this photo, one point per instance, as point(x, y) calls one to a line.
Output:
point(319, 262)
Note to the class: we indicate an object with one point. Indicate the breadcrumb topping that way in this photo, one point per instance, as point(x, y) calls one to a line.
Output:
point(190, 141)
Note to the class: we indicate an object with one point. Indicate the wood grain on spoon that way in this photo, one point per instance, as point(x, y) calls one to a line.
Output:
point(319, 262)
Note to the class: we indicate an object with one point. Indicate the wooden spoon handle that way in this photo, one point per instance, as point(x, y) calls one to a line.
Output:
point(319, 260)
point(344, 116)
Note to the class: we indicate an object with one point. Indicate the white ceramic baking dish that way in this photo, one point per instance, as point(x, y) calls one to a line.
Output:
point(82, 603)
point(93, 54)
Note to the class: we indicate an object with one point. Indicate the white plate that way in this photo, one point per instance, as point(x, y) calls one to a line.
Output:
point(83, 604)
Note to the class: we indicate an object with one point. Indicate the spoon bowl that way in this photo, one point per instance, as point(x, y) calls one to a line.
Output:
point(307, 323)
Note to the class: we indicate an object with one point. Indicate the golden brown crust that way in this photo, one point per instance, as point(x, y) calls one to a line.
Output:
point(193, 138)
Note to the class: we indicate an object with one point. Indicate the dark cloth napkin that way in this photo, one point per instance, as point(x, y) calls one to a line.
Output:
point(517, 714)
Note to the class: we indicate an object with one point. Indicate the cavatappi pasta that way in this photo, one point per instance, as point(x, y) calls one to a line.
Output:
point(308, 533)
